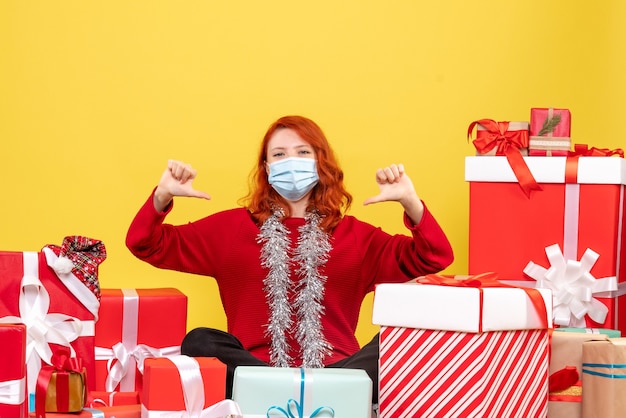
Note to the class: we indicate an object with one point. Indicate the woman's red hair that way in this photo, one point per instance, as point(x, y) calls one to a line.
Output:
point(329, 197)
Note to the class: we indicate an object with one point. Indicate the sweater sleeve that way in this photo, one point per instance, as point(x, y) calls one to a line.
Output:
point(432, 246)
point(398, 258)
point(188, 248)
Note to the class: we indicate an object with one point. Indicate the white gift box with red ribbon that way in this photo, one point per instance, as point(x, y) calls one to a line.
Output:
point(462, 351)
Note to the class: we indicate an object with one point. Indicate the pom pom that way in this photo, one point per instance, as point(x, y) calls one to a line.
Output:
point(63, 265)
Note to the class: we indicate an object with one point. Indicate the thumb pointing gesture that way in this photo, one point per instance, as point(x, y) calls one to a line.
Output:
point(176, 180)
point(394, 185)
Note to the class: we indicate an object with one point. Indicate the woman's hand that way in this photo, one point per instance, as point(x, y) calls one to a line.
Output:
point(176, 180)
point(395, 185)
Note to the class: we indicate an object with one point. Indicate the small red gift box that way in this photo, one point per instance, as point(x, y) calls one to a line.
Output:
point(35, 291)
point(569, 237)
point(13, 394)
point(549, 132)
point(133, 326)
point(170, 384)
point(462, 349)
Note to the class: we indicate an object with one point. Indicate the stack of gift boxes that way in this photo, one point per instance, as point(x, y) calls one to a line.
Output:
point(72, 349)
point(545, 215)
point(533, 330)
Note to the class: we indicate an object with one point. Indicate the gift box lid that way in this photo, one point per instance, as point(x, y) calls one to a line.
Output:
point(448, 308)
point(611, 333)
point(591, 170)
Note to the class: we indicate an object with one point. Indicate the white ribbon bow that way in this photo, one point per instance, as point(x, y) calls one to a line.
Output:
point(122, 360)
point(573, 287)
point(12, 392)
point(43, 328)
point(193, 394)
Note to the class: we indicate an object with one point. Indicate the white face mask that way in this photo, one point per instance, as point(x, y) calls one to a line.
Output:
point(293, 177)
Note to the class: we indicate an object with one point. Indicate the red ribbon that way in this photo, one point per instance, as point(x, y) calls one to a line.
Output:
point(583, 150)
point(62, 364)
point(566, 398)
point(486, 280)
point(563, 379)
point(507, 143)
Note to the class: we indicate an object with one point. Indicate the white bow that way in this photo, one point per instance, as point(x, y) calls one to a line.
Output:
point(43, 328)
point(122, 362)
point(12, 392)
point(573, 287)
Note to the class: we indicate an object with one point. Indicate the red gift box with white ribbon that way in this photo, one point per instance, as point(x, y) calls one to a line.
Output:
point(182, 386)
point(568, 237)
point(133, 326)
point(13, 396)
point(58, 309)
point(472, 347)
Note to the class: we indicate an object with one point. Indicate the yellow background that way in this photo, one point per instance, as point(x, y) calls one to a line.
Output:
point(95, 96)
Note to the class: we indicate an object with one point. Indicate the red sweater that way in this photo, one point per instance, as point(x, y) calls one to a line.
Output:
point(224, 246)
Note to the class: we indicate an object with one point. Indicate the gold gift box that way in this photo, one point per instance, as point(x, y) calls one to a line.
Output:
point(76, 390)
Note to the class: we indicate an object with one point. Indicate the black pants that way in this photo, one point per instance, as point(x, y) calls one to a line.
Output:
point(209, 342)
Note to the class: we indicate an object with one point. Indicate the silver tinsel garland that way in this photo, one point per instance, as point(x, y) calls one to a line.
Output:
point(309, 255)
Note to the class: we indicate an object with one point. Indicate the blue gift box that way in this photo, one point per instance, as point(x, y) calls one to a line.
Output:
point(302, 393)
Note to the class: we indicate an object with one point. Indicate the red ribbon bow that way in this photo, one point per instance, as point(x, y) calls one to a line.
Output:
point(507, 143)
point(486, 280)
point(62, 364)
point(63, 361)
point(583, 150)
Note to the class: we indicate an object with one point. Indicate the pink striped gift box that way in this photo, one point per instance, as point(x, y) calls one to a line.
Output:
point(462, 351)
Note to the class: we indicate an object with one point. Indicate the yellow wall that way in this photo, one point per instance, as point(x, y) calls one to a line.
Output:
point(95, 96)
